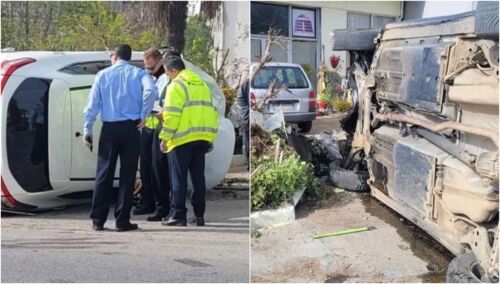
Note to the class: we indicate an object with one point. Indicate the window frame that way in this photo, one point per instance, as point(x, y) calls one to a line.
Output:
point(367, 14)
point(43, 173)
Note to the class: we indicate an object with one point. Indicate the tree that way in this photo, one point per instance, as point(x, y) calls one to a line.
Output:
point(199, 43)
point(170, 18)
point(71, 26)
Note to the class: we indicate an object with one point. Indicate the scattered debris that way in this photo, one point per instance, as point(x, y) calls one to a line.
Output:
point(344, 232)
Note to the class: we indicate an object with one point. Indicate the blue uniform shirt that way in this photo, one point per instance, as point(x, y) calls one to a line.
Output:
point(161, 84)
point(120, 92)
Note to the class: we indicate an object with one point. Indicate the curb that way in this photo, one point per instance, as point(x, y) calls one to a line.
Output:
point(274, 217)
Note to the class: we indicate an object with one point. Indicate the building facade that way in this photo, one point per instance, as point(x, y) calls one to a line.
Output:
point(305, 27)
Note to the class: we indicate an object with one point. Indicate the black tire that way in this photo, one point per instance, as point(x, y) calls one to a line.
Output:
point(486, 23)
point(353, 39)
point(305, 126)
point(347, 179)
point(464, 269)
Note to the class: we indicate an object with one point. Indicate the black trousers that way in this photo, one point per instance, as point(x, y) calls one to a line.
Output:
point(154, 172)
point(146, 167)
point(188, 157)
point(118, 140)
point(245, 131)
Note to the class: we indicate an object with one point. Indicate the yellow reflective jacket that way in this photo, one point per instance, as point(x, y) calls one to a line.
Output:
point(188, 112)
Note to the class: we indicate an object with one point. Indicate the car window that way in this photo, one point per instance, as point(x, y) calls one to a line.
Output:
point(91, 68)
point(86, 68)
point(27, 135)
point(293, 77)
point(137, 63)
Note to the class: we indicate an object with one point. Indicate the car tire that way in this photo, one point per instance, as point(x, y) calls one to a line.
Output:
point(305, 126)
point(348, 179)
point(353, 39)
point(486, 22)
point(464, 269)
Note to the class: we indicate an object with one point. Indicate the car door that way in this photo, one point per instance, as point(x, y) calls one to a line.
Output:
point(83, 161)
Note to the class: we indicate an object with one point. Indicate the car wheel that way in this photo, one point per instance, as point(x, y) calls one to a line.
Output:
point(305, 126)
point(464, 269)
point(348, 179)
point(486, 23)
point(353, 40)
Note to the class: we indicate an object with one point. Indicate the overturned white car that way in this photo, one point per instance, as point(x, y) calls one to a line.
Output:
point(44, 162)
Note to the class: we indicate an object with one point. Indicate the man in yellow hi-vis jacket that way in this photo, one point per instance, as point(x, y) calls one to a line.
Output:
point(190, 124)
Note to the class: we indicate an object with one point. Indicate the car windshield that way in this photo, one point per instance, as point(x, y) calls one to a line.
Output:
point(293, 77)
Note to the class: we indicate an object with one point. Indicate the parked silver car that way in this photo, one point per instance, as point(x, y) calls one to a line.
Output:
point(298, 103)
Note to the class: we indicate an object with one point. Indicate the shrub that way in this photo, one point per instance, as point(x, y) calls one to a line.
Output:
point(341, 105)
point(275, 182)
point(325, 98)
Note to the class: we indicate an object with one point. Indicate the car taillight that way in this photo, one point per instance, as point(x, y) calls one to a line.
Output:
point(312, 102)
point(9, 66)
point(10, 203)
point(253, 101)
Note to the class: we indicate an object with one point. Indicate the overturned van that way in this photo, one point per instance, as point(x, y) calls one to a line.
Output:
point(425, 118)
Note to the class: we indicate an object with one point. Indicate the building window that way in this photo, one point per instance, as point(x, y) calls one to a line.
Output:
point(358, 21)
point(279, 53)
point(366, 21)
point(255, 49)
point(265, 16)
point(380, 21)
point(304, 53)
point(298, 38)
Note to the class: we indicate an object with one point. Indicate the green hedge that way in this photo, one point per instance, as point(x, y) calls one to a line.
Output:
point(274, 182)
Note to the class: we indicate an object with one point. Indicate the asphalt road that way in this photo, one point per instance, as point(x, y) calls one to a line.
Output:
point(61, 247)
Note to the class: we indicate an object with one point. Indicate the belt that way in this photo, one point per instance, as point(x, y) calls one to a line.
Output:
point(122, 122)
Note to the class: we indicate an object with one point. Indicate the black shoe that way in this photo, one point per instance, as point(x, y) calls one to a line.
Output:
point(175, 222)
point(157, 217)
point(200, 221)
point(143, 210)
point(128, 227)
point(97, 227)
point(168, 216)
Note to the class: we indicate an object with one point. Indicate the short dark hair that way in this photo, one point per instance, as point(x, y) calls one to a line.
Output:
point(171, 52)
point(174, 62)
point(124, 51)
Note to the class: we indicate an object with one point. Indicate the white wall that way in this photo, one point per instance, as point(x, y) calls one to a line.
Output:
point(232, 32)
point(334, 16)
point(333, 19)
point(382, 8)
point(428, 9)
point(237, 27)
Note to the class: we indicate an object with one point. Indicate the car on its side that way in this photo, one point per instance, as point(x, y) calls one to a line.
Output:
point(44, 161)
point(298, 103)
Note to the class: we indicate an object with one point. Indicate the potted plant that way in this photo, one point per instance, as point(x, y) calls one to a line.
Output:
point(325, 98)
